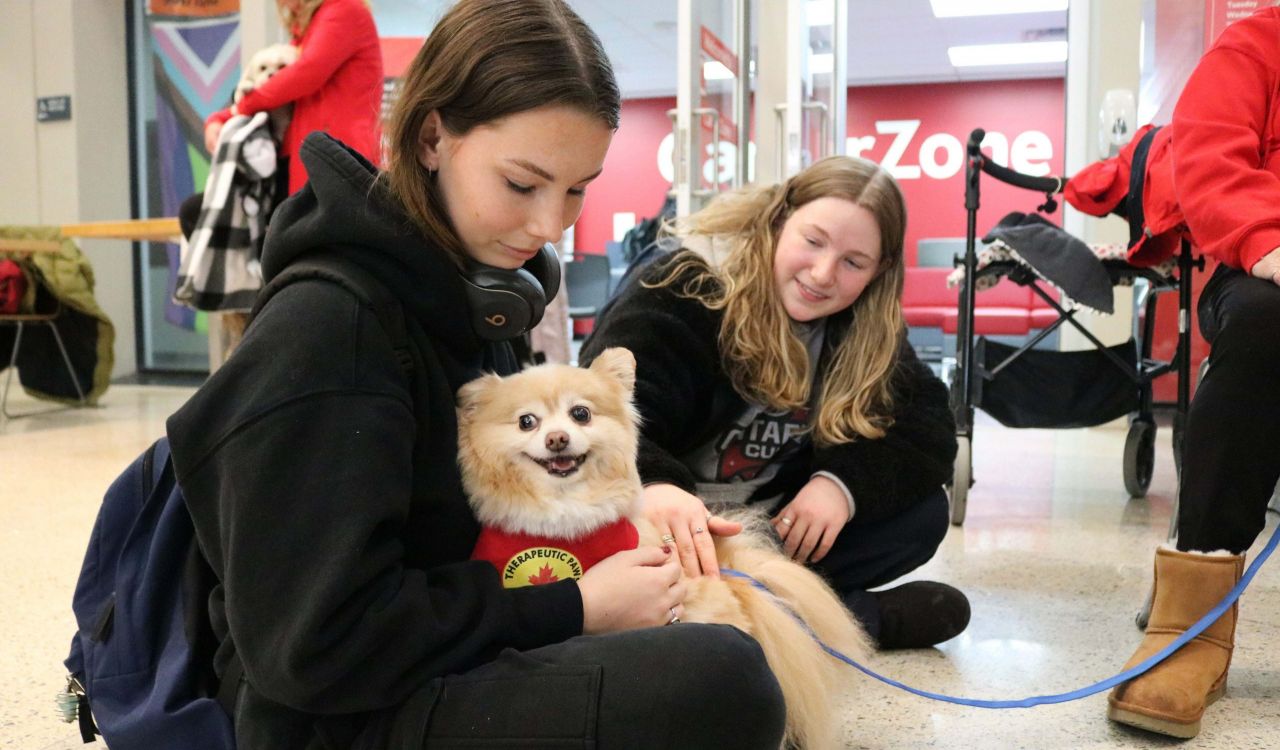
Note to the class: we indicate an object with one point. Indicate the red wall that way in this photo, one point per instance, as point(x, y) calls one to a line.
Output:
point(630, 180)
point(946, 113)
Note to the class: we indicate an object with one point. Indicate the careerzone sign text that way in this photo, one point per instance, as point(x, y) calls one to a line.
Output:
point(906, 155)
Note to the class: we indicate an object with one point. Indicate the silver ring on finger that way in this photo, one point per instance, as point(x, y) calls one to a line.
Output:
point(668, 539)
point(698, 530)
point(787, 521)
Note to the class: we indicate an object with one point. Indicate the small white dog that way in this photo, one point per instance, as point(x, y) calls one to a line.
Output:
point(265, 63)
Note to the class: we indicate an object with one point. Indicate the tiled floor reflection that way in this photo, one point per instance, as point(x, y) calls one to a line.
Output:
point(1054, 556)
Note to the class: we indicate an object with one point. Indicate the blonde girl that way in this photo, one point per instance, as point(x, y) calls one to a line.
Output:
point(773, 370)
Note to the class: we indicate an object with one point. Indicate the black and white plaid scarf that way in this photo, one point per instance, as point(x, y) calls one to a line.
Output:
point(219, 270)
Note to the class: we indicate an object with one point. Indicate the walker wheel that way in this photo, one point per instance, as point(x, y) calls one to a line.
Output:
point(1139, 457)
point(959, 489)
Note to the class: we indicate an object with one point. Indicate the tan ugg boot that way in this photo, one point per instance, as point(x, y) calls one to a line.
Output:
point(1171, 698)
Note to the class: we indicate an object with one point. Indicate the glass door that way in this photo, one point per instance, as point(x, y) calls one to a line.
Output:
point(711, 118)
point(821, 81)
point(185, 62)
point(802, 85)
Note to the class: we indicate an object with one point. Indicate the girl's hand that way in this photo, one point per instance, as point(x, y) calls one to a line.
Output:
point(682, 518)
point(808, 525)
point(635, 588)
point(211, 133)
point(1268, 267)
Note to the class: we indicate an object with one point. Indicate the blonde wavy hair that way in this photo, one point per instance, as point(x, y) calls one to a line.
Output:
point(295, 16)
point(759, 348)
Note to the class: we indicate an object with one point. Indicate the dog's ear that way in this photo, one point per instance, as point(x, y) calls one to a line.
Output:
point(473, 394)
point(617, 362)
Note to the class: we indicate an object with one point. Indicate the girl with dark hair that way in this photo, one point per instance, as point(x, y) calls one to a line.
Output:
point(322, 479)
point(772, 368)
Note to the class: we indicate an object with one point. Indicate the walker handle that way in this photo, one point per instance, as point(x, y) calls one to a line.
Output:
point(975, 142)
point(1046, 185)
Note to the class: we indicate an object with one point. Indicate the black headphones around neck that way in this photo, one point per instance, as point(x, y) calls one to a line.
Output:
point(506, 303)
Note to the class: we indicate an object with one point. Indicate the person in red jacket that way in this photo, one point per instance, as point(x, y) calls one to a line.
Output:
point(335, 86)
point(1225, 146)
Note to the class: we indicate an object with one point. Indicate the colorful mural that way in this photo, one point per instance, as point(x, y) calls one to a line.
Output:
point(196, 63)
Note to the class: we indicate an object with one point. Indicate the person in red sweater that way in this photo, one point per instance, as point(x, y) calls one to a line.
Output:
point(335, 86)
point(1225, 155)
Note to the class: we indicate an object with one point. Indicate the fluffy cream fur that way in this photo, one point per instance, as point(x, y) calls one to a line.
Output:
point(512, 485)
point(265, 63)
point(507, 486)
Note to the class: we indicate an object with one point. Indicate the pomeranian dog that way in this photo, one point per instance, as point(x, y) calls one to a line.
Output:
point(548, 459)
point(265, 63)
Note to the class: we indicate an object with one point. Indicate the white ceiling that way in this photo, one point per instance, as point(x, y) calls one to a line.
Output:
point(890, 41)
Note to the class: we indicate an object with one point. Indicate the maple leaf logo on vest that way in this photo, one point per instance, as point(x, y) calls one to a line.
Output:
point(544, 576)
point(535, 566)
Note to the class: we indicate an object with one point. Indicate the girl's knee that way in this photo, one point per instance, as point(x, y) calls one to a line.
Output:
point(935, 520)
point(724, 673)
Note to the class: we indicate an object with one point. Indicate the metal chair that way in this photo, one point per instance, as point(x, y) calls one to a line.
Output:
point(47, 317)
point(587, 284)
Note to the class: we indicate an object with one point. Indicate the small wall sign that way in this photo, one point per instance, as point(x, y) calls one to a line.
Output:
point(50, 108)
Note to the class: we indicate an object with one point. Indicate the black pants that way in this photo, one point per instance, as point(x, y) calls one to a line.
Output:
point(1231, 447)
point(868, 555)
point(683, 686)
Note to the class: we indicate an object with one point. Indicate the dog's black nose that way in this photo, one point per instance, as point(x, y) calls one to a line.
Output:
point(557, 441)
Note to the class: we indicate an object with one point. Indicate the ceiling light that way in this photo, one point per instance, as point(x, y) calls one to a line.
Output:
point(954, 8)
point(1025, 53)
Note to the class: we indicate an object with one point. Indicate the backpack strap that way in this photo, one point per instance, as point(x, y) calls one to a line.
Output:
point(337, 270)
point(1137, 181)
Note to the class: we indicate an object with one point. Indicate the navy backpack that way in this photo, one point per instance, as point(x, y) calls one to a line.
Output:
point(140, 671)
point(142, 657)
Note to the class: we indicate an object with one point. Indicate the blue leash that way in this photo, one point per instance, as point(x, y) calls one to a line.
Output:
point(1097, 687)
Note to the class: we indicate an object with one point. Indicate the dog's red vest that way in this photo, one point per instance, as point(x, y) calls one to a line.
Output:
point(528, 560)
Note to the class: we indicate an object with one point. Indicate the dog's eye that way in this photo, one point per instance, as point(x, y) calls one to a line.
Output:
point(528, 422)
point(580, 414)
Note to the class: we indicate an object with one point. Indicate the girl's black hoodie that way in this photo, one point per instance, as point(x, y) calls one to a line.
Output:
point(325, 490)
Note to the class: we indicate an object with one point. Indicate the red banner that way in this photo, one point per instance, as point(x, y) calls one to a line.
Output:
point(1219, 14)
point(718, 50)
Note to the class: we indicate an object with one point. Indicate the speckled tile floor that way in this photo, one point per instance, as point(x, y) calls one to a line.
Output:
point(1054, 556)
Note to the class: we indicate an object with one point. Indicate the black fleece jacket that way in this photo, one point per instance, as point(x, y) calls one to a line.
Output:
point(685, 398)
point(325, 491)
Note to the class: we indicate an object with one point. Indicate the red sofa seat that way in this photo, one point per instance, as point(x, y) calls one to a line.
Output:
point(926, 300)
point(992, 321)
point(1006, 309)
point(1042, 316)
